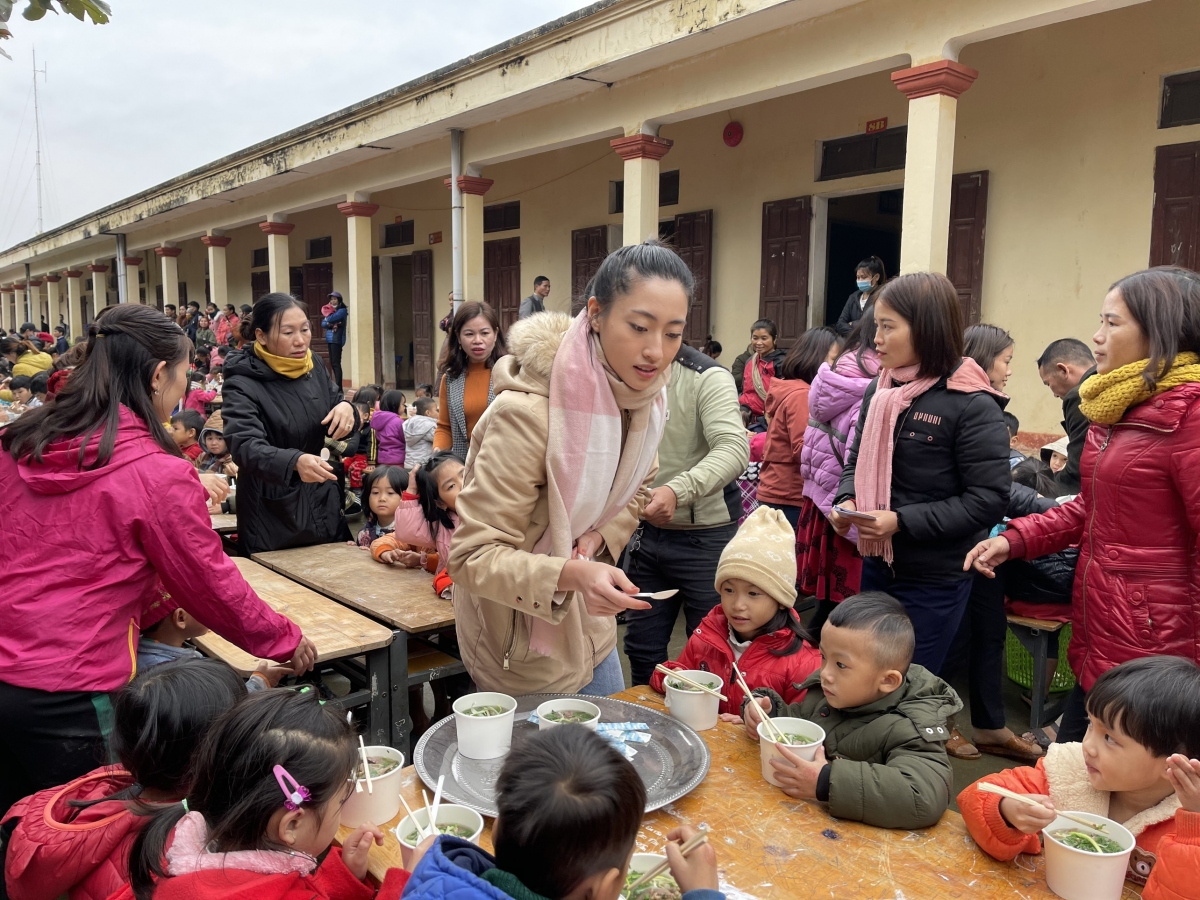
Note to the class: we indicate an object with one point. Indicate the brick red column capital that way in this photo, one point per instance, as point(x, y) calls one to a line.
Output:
point(35, 282)
point(19, 285)
point(641, 146)
point(167, 251)
point(276, 227)
point(72, 273)
point(52, 279)
point(131, 260)
point(216, 240)
point(95, 268)
point(472, 184)
point(942, 77)
point(354, 209)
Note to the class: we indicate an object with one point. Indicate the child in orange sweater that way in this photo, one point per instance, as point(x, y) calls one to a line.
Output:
point(1136, 765)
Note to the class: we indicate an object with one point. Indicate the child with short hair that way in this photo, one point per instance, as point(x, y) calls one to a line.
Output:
point(755, 625)
point(382, 488)
point(884, 719)
point(388, 425)
point(75, 839)
point(569, 808)
point(419, 431)
point(186, 426)
point(216, 457)
point(267, 785)
point(1136, 765)
point(21, 391)
point(1013, 424)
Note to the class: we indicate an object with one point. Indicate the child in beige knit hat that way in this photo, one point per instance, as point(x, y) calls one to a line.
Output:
point(755, 624)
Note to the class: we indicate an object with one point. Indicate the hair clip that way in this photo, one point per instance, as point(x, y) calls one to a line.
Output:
point(295, 792)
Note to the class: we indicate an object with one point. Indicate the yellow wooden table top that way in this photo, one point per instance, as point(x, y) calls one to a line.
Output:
point(771, 846)
point(223, 523)
point(338, 632)
point(403, 598)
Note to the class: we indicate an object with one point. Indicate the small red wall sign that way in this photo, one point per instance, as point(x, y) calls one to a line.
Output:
point(877, 125)
point(435, 238)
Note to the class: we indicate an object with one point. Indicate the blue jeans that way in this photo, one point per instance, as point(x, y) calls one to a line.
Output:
point(607, 678)
point(936, 609)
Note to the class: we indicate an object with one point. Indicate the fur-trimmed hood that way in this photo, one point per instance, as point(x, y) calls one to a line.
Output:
point(532, 344)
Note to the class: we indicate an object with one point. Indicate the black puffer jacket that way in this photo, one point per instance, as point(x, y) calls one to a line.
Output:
point(950, 479)
point(270, 421)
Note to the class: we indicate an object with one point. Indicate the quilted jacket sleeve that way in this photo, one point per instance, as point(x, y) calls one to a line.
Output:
point(1174, 875)
point(981, 812)
point(247, 438)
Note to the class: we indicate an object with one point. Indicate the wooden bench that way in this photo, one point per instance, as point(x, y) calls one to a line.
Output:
point(1035, 636)
point(339, 633)
point(399, 597)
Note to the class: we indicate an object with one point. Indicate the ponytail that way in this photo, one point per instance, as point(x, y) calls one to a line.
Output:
point(146, 854)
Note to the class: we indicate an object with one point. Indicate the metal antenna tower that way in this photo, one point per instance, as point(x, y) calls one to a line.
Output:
point(37, 127)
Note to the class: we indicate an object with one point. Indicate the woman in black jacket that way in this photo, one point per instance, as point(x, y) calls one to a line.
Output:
point(929, 462)
point(278, 406)
point(869, 277)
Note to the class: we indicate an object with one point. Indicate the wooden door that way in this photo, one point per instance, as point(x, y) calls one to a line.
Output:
point(693, 242)
point(318, 282)
point(964, 255)
point(422, 313)
point(589, 247)
point(783, 282)
point(1175, 228)
point(502, 278)
point(260, 285)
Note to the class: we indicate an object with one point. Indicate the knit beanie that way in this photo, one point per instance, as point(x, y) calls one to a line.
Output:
point(763, 552)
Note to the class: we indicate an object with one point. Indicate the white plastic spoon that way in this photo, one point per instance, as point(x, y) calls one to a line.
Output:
point(656, 595)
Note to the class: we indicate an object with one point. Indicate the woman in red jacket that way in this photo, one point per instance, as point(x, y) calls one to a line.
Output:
point(96, 469)
point(1137, 517)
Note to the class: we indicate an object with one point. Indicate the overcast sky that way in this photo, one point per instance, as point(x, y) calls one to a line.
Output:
point(167, 86)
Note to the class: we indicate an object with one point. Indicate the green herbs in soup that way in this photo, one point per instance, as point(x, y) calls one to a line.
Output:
point(451, 828)
point(376, 765)
point(682, 686)
point(795, 740)
point(661, 887)
point(569, 716)
point(484, 711)
point(1089, 843)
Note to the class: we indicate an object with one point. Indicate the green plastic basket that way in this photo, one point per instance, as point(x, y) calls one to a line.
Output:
point(1020, 663)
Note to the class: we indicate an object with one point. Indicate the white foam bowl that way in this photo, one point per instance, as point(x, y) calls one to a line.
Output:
point(382, 802)
point(696, 709)
point(1080, 875)
point(448, 814)
point(769, 750)
point(567, 704)
point(484, 737)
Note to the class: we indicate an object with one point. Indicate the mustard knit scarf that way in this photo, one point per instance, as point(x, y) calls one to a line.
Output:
point(287, 366)
point(1105, 398)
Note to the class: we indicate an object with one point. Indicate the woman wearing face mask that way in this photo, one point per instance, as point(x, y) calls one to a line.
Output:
point(1137, 516)
point(870, 276)
point(558, 476)
point(98, 459)
point(473, 344)
point(929, 462)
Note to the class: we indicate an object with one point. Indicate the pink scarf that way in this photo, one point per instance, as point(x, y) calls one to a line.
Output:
point(873, 471)
point(189, 853)
point(590, 475)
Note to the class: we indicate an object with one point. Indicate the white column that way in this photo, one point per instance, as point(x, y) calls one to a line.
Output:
point(277, 252)
point(641, 153)
point(170, 274)
point(473, 187)
point(933, 90)
point(74, 302)
point(360, 344)
point(35, 302)
point(99, 288)
point(132, 288)
point(53, 300)
point(6, 302)
point(218, 279)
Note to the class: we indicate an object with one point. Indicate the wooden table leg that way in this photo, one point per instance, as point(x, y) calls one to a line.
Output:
point(401, 721)
point(378, 683)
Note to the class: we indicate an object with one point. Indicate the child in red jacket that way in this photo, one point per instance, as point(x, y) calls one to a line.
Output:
point(268, 785)
point(1133, 766)
point(755, 625)
point(75, 839)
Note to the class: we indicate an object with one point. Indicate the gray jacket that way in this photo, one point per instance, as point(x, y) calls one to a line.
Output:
point(530, 305)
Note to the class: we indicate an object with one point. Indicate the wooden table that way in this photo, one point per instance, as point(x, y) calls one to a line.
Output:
point(223, 523)
point(399, 597)
point(771, 846)
point(338, 633)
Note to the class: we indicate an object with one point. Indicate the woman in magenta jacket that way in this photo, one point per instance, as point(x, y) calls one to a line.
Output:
point(124, 516)
point(1137, 517)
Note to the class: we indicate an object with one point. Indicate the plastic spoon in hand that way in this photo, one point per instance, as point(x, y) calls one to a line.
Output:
point(1029, 801)
point(656, 595)
point(701, 837)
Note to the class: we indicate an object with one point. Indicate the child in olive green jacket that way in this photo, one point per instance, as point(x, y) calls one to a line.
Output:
point(884, 758)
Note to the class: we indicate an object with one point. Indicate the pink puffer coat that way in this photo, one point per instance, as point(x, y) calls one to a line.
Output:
point(834, 400)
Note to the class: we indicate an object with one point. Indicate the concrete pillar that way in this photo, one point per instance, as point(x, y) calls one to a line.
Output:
point(74, 302)
point(170, 274)
point(54, 300)
point(359, 356)
point(21, 305)
point(218, 279)
point(933, 90)
point(277, 251)
point(99, 288)
point(641, 153)
point(6, 304)
point(473, 188)
point(132, 287)
point(37, 307)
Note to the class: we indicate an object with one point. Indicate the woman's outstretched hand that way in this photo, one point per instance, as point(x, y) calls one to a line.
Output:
point(340, 420)
point(986, 555)
point(605, 589)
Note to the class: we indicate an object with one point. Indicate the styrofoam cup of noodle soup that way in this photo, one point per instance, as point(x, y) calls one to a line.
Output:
point(484, 736)
point(567, 705)
point(1082, 875)
point(769, 750)
point(696, 709)
point(381, 803)
point(466, 823)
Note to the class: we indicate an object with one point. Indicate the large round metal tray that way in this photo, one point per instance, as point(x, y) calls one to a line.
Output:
point(674, 761)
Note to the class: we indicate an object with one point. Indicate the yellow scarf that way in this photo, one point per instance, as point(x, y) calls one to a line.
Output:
point(1105, 398)
point(287, 366)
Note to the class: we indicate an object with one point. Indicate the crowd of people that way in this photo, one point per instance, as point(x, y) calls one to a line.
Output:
point(554, 470)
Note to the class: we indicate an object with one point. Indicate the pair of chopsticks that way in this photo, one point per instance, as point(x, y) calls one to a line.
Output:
point(771, 728)
point(700, 838)
point(430, 811)
point(671, 673)
point(989, 788)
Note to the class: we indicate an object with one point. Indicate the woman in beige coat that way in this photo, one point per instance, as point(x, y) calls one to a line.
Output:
point(557, 476)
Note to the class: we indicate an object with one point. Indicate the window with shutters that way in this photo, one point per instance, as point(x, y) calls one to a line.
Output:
point(1180, 100)
point(400, 234)
point(668, 192)
point(260, 259)
point(502, 217)
point(320, 248)
point(863, 154)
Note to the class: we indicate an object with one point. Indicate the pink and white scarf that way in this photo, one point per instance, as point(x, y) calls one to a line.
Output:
point(590, 474)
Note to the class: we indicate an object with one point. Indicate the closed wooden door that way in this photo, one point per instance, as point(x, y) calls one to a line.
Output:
point(589, 246)
point(783, 282)
point(1175, 228)
point(693, 242)
point(260, 285)
point(318, 282)
point(422, 313)
point(964, 255)
point(502, 278)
